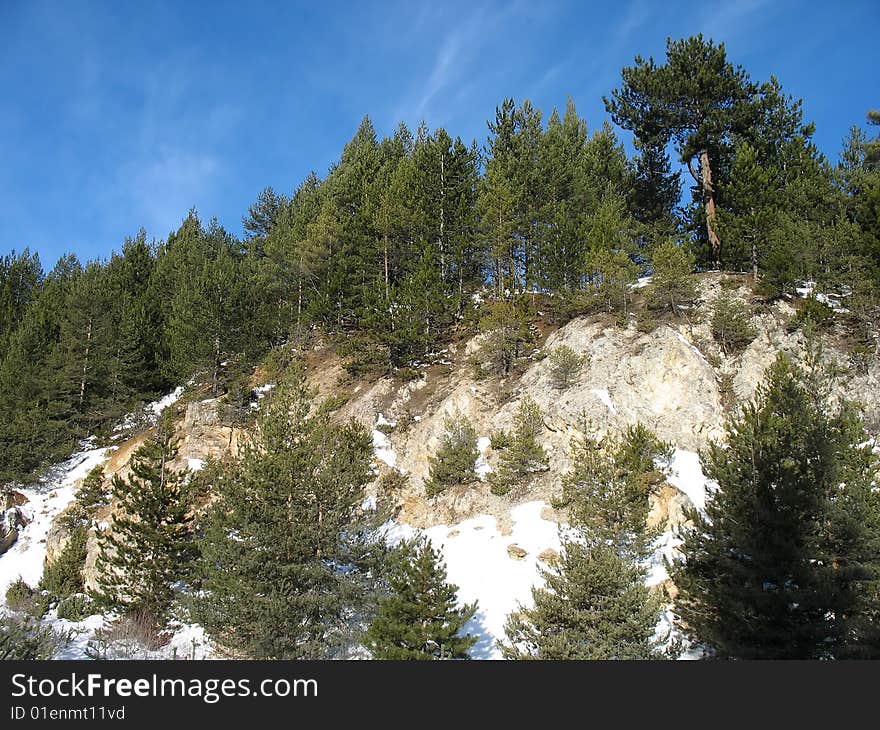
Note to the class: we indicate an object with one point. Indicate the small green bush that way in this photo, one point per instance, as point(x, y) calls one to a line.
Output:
point(454, 462)
point(565, 366)
point(646, 323)
point(813, 313)
point(22, 598)
point(19, 595)
point(731, 324)
point(76, 607)
point(500, 439)
point(22, 638)
point(524, 456)
point(64, 577)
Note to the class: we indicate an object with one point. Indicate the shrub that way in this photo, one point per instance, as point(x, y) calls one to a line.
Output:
point(508, 337)
point(454, 461)
point(76, 607)
point(565, 366)
point(813, 313)
point(19, 596)
point(22, 598)
point(673, 283)
point(22, 638)
point(63, 577)
point(500, 440)
point(646, 323)
point(135, 633)
point(731, 324)
point(524, 456)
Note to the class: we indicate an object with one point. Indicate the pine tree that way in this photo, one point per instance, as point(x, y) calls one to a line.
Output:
point(523, 457)
point(91, 496)
point(454, 462)
point(673, 283)
point(595, 604)
point(508, 337)
point(565, 365)
point(280, 551)
point(148, 543)
point(64, 576)
point(785, 563)
point(24, 638)
point(420, 617)
point(699, 99)
point(611, 236)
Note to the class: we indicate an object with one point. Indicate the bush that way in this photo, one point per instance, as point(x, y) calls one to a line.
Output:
point(565, 366)
point(64, 577)
point(92, 496)
point(76, 607)
point(22, 598)
point(673, 283)
point(813, 313)
point(524, 456)
point(133, 634)
point(731, 324)
point(646, 323)
point(508, 337)
point(500, 440)
point(19, 596)
point(24, 639)
point(454, 461)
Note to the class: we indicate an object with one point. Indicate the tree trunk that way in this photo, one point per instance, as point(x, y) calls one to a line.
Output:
point(709, 201)
point(441, 241)
point(216, 376)
point(82, 382)
point(754, 259)
point(387, 288)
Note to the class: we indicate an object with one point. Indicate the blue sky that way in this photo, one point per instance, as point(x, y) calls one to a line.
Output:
point(117, 115)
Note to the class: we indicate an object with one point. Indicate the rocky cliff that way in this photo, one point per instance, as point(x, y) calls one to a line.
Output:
point(674, 379)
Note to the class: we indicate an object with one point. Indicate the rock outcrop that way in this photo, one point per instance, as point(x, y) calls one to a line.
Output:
point(12, 518)
point(674, 379)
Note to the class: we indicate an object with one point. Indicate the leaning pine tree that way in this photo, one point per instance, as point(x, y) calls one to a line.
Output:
point(279, 552)
point(149, 538)
point(785, 563)
point(420, 617)
point(595, 604)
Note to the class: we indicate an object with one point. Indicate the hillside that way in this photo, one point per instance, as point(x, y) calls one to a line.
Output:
point(675, 380)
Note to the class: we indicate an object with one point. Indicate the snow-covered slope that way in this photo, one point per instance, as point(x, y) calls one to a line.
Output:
point(45, 502)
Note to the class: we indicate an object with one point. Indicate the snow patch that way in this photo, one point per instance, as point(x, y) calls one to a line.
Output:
point(829, 300)
point(687, 476)
point(383, 450)
point(382, 421)
point(195, 464)
point(604, 396)
point(45, 501)
point(160, 405)
point(477, 562)
point(642, 282)
point(481, 467)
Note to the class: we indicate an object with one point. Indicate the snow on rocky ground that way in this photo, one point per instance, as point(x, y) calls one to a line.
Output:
point(45, 501)
point(605, 397)
point(26, 557)
point(829, 300)
point(687, 476)
point(383, 450)
point(169, 400)
point(481, 467)
point(478, 562)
